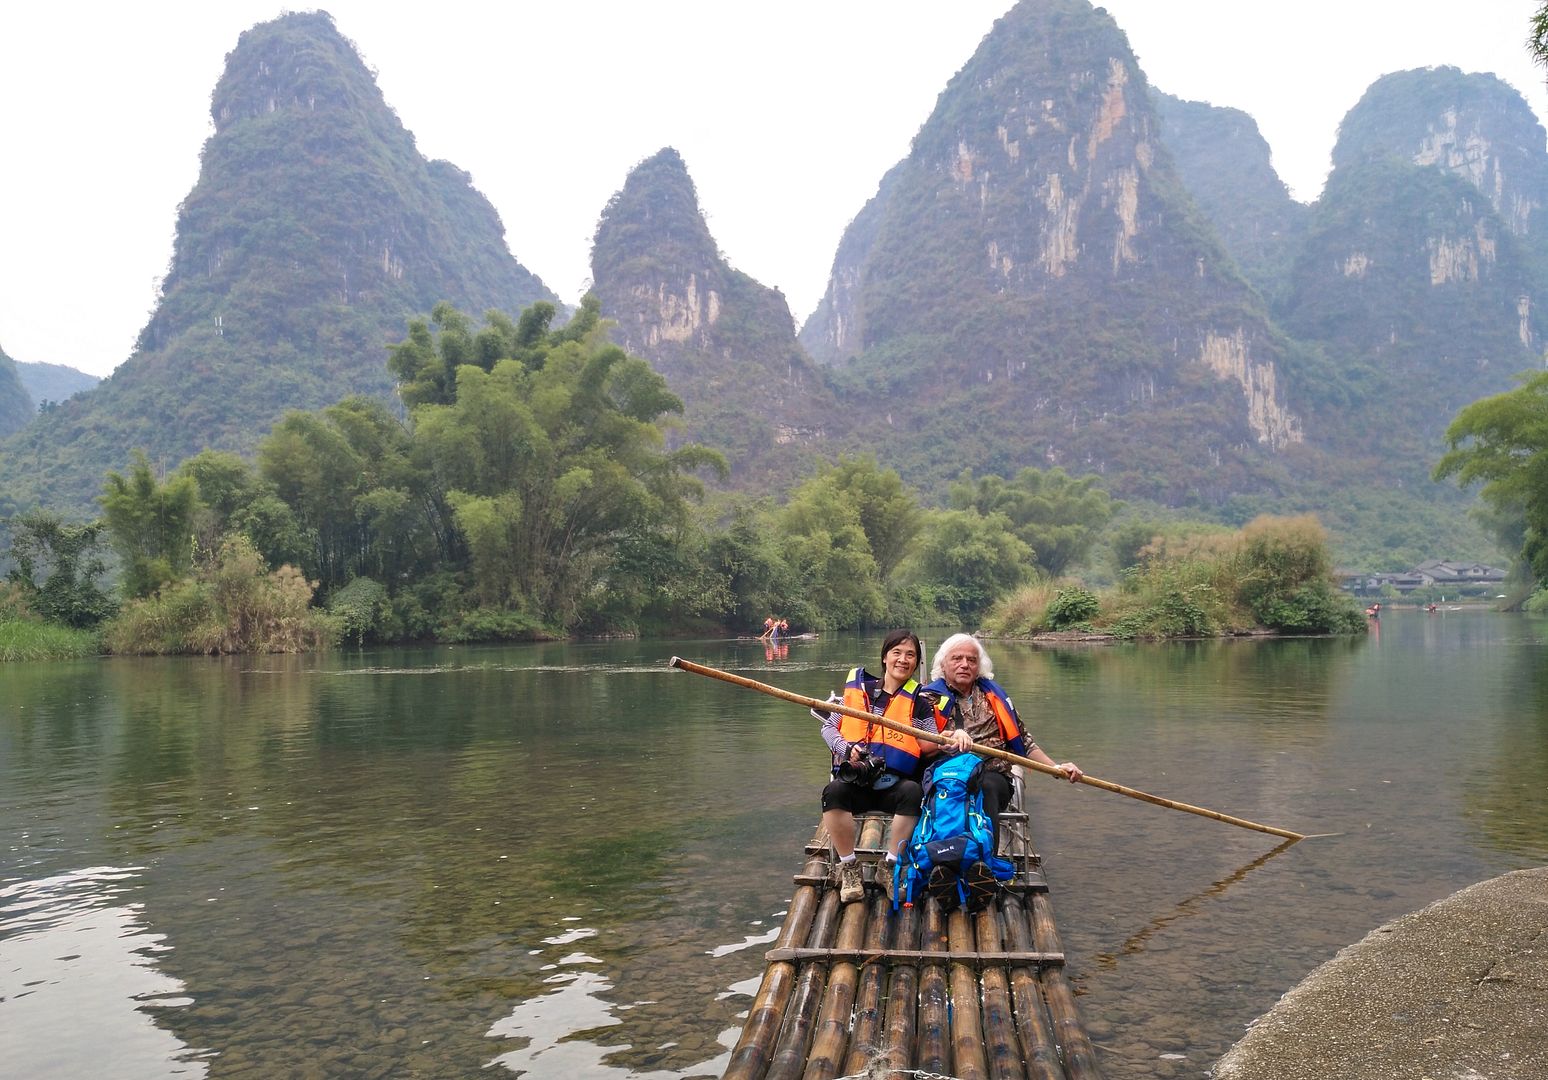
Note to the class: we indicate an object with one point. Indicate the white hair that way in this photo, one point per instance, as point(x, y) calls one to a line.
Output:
point(937, 666)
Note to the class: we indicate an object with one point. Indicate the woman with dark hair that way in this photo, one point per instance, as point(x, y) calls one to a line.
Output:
point(874, 767)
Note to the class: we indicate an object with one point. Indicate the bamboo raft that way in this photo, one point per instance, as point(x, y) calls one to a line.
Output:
point(856, 990)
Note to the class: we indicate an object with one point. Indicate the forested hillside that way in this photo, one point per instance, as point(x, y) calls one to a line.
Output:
point(1472, 126)
point(1033, 285)
point(53, 382)
point(316, 230)
point(1417, 273)
point(1224, 162)
point(725, 343)
point(1413, 278)
point(15, 403)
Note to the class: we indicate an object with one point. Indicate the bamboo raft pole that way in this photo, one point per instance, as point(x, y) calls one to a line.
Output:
point(858, 989)
point(986, 751)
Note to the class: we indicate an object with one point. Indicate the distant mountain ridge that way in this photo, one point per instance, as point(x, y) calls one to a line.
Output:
point(1069, 257)
point(53, 382)
point(1225, 163)
point(15, 402)
point(1068, 268)
point(315, 232)
point(1423, 271)
point(725, 343)
point(1473, 126)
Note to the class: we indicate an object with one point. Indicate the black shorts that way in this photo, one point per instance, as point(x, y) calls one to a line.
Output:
point(905, 797)
point(996, 787)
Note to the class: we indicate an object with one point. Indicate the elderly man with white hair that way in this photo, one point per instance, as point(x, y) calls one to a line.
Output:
point(972, 708)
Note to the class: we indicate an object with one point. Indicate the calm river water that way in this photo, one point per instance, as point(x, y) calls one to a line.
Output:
point(566, 860)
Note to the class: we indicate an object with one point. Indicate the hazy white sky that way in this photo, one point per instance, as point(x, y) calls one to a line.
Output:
point(787, 114)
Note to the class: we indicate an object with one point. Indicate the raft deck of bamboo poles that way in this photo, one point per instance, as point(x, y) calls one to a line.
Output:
point(860, 990)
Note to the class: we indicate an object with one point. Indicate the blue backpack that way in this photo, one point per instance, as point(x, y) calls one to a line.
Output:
point(951, 854)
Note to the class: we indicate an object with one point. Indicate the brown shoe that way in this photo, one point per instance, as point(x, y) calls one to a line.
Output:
point(851, 885)
point(888, 879)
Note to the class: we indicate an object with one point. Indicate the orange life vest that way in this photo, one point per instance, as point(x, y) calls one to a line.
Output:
point(1004, 712)
point(901, 751)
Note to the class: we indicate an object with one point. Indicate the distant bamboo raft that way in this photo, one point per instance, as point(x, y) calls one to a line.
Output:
point(856, 989)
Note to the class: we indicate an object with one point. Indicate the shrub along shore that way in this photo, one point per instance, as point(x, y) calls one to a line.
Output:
point(1271, 577)
point(1274, 576)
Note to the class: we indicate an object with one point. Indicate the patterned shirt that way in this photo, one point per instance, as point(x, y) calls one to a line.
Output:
point(974, 714)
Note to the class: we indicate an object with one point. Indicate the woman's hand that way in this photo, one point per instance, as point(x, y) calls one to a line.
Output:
point(960, 741)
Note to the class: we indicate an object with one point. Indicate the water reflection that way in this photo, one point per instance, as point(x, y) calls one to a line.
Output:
point(570, 856)
point(1136, 942)
point(765, 938)
point(74, 951)
point(1509, 804)
point(553, 1026)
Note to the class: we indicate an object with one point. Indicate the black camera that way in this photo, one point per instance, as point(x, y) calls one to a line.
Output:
point(863, 772)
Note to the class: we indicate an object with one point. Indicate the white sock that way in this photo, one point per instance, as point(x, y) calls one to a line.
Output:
point(847, 858)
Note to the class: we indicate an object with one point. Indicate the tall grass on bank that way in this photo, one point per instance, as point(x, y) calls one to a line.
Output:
point(1275, 574)
point(24, 635)
point(28, 639)
point(1023, 612)
point(232, 605)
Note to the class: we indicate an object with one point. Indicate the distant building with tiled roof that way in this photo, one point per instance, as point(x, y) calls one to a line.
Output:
point(1445, 572)
point(1432, 572)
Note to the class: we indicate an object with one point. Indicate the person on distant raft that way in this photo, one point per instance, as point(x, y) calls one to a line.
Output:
point(876, 768)
point(768, 628)
point(774, 629)
point(971, 708)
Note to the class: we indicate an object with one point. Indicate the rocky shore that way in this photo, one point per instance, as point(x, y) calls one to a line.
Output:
point(1455, 991)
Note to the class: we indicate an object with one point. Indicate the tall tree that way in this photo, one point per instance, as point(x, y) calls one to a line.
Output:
point(350, 475)
point(233, 498)
point(1537, 37)
point(967, 560)
point(823, 541)
point(151, 524)
point(67, 557)
point(1058, 516)
point(1501, 442)
point(551, 456)
point(889, 512)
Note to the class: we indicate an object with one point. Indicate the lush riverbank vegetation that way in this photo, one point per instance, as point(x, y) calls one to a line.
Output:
point(1275, 574)
point(1500, 444)
point(32, 639)
point(55, 616)
point(533, 488)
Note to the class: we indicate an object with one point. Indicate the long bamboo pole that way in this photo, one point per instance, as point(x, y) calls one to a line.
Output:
point(987, 751)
